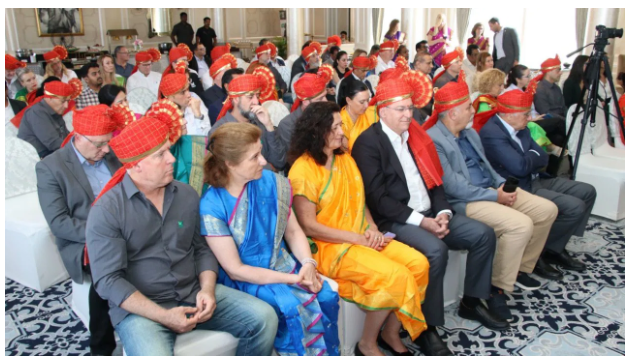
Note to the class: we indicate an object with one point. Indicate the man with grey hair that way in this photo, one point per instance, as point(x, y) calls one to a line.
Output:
point(121, 59)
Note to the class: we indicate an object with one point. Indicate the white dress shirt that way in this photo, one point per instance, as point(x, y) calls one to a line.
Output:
point(382, 66)
point(196, 126)
point(65, 78)
point(207, 81)
point(470, 72)
point(202, 66)
point(498, 44)
point(419, 199)
point(138, 80)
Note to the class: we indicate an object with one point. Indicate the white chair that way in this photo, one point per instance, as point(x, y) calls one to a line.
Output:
point(198, 343)
point(600, 165)
point(373, 79)
point(141, 99)
point(68, 120)
point(242, 64)
point(285, 72)
point(290, 60)
point(277, 111)
point(31, 256)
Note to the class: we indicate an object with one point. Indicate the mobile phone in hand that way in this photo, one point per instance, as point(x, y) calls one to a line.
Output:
point(389, 234)
point(511, 184)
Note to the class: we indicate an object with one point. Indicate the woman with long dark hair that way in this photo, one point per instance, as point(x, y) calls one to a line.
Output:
point(394, 33)
point(384, 277)
point(575, 81)
point(356, 114)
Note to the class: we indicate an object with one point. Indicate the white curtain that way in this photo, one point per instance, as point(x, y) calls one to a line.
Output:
point(581, 19)
point(376, 15)
point(462, 24)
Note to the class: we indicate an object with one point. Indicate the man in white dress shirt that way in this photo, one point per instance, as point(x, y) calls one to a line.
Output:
point(143, 76)
point(175, 87)
point(469, 64)
point(385, 57)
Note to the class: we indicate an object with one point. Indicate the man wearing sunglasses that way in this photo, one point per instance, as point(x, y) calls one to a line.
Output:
point(68, 180)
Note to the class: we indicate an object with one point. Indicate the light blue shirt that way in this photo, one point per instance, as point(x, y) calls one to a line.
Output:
point(512, 132)
point(98, 173)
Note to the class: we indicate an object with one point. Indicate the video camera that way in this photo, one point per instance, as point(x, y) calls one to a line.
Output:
point(608, 33)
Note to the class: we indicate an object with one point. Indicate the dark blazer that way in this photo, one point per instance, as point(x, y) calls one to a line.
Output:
point(196, 85)
point(211, 95)
point(506, 156)
point(510, 45)
point(65, 196)
point(193, 64)
point(385, 185)
point(17, 106)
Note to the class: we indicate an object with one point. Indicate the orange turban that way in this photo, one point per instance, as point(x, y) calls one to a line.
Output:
point(334, 40)
point(99, 120)
point(225, 62)
point(389, 45)
point(55, 89)
point(177, 53)
point(244, 85)
point(317, 46)
point(273, 50)
point(220, 50)
point(546, 66)
point(11, 63)
point(309, 51)
point(448, 97)
point(263, 49)
point(310, 85)
point(143, 57)
point(58, 52)
point(448, 59)
point(173, 83)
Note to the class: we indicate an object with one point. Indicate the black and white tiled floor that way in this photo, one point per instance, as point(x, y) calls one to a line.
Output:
point(582, 315)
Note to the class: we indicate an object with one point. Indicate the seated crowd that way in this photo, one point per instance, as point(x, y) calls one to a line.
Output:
point(200, 213)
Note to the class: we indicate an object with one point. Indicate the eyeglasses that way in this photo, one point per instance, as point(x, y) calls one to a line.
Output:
point(402, 109)
point(98, 145)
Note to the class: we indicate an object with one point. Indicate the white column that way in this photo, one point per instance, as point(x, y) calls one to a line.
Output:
point(408, 27)
point(295, 30)
point(217, 23)
point(307, 24)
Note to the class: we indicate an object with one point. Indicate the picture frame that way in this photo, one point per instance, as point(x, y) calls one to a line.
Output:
point(53, 22)
point(282, 14)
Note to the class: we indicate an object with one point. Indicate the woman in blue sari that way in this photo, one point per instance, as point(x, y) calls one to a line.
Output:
point(247, 218)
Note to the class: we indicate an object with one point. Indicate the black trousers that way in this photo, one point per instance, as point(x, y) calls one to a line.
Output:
point(102, 340)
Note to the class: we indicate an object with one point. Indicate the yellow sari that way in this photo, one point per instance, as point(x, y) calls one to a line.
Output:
point(392, 279)
point(353, 130)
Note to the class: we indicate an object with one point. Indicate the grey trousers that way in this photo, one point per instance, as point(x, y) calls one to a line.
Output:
point(465, 234)
point(504, 64)
point(574, 201)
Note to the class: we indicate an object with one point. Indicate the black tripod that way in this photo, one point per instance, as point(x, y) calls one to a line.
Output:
point(591, 85)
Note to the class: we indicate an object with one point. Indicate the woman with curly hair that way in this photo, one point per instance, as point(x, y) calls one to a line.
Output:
point(247, 218)
point(385, 278)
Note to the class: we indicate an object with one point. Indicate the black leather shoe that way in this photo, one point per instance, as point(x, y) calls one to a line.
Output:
point(497, 303)
point(431, 344)
point(357, 352)
point(483, 316)
point(546, 271)
point(564, 259)
point(384, 345)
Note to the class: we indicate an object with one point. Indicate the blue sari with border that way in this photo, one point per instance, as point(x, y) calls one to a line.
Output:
point(256, 221)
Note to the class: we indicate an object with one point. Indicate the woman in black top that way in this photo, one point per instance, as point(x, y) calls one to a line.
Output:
point(575, 81)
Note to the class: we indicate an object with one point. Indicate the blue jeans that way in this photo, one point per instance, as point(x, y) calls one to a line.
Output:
point(247, 318)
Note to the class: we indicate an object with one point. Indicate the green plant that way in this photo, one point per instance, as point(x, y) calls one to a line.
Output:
point(281, 44)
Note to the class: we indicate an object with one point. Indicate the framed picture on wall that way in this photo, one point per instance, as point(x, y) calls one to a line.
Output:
point(53, 22)
point(282, 14)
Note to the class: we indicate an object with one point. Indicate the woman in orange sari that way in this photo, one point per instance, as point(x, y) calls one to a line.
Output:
point(356, 114)
point(385, 278)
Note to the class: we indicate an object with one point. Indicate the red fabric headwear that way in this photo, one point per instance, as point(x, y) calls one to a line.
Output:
point(546, 66)
point(142, 57)
point(310, 85)
point(187, 50)
point(414, 85)
point(268, 82)
point(316, 45)
point(240, 86)
point(220, 50)
point(173, 83)
point(58, 52)
point(99, 120)
point(362, 63)
point(273, 50)
point(389, 45)
point(448, 59)
point(225, 62)
point(334, 40)
point(309, 51)
point(509, 102)
point(55, 89)
point(263, 49)
point(448, 97)
point(175, 54)
point(11, 63)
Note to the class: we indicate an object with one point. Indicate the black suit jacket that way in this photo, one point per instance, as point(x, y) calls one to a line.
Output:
point(511, 47)
point(17, 106)
point(385, 185)
point(193, 64)
point(65, 196)
point(196, 85)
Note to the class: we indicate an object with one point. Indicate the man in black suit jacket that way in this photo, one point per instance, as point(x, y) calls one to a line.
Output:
point(509, 54)
point(200, 62)
point(400, 202)
point(68, 180)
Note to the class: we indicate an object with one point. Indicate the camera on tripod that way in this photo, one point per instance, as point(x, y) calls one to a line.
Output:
point(608, 33)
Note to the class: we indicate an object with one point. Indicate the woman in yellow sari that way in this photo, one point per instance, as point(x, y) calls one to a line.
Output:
point(384, 277)
point(356, 114)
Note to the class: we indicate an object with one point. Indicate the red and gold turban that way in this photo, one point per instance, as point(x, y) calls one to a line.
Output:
point(311, 85)
point(363, 64)
point(268, 91)
point(225, 62)
point(220, 50)
point(11, 63)
point(334, 40)
point(99, 120)
point(55, 89)
point(58, 52)
point(177, 53)
point(389, 45)
point(273, 50)
point(546, 66)
point(448, 97)
point(309, 51)
point(416, 86)
point(187, 50)
point(402, 63)
point(316, 45)
point(262, 50)
point(144, 58)
point(173, 83)
point(447, 60)
point(243, 85)
point(514, 101)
